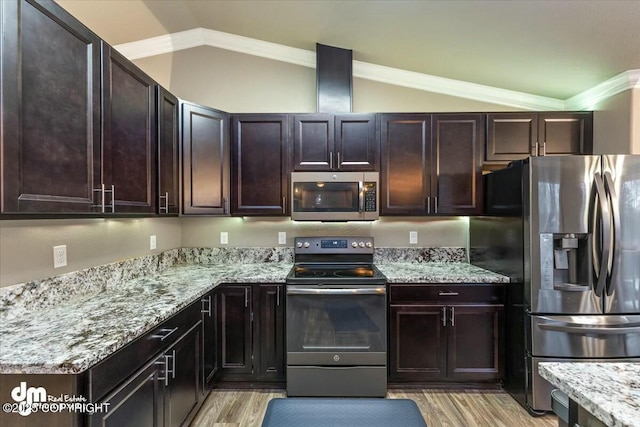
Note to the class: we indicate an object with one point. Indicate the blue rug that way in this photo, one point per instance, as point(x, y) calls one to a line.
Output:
point(342, 412)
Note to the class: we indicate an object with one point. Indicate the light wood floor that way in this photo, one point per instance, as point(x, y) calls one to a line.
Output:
point(440, 408)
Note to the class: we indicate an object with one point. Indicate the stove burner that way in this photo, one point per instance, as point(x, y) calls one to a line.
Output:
point(308, 272)
point(354, 272)
point(313, 271)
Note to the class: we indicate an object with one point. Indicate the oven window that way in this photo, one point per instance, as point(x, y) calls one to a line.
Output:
point(319, 323)
point(325, 197)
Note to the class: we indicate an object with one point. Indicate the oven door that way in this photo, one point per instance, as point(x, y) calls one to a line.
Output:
point(336, 325)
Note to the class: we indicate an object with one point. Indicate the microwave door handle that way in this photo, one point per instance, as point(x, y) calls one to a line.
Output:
point(615, 227)
point(360, 196)
point(605, 217)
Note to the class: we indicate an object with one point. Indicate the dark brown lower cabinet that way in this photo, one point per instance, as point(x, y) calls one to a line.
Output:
point(210, 353)
point(252, 332)
point(182, 379)
point(431, 340)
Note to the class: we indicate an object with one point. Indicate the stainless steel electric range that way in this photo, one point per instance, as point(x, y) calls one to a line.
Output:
point(336, 319)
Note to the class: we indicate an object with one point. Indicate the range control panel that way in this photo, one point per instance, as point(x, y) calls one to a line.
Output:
point(334, 245)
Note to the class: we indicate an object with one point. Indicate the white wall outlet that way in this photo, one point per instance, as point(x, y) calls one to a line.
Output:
point(59, 256)
point(282, 237)
point(413, 237)
point(152, 242)
point(224, 238)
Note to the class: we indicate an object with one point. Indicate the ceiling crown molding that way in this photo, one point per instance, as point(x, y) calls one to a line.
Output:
point(394, 76)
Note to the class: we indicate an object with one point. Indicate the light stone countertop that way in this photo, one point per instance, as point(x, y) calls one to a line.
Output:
point(609, 391)
point(73, 335)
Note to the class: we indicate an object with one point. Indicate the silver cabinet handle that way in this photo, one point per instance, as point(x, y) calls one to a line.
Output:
point(447, 294)
point(544, 148)
point(444, 316)
point(536, 150)
point(284, 204)
point(166, 335)
point(330, 159)
point(165, 208)
point(435, 204)
point(224, 205)
point(429, 204)
point(113, 198)
point(338, 164)
point(278, 296)
point(208, 309)
point(453, 316)
point(100, 203)
point(246, 297)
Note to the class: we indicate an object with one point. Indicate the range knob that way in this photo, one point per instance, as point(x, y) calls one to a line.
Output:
point(354, 244)
point(299, 244)
point(361, 244)
point(369, 245)
point(306, 244)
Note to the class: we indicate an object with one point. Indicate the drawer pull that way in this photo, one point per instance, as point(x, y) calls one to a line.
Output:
point(166, 335)
point(447, 294)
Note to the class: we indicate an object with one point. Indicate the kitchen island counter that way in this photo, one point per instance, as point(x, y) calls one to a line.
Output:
point(609, 391)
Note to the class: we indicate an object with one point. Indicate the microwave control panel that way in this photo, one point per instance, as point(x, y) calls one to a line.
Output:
point(370, 197)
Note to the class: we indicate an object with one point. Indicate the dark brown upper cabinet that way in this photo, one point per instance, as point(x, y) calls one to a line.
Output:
point(345, 142)
point(514, 136)
point(168, 116)
point(50, 146)
point(205, 160)
point(129, 146)
point(260, 158)
point(431, 164)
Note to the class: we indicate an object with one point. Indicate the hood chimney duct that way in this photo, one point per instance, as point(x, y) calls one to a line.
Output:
point(334, 70)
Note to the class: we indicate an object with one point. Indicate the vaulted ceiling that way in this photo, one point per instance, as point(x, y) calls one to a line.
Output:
point(548, 48)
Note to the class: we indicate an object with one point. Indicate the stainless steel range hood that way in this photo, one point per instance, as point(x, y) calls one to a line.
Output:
point(334, 70)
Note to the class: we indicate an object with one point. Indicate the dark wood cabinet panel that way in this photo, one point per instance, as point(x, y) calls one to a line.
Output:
point(260, 164)
point(50, 110)
point(514, 136)
point(129, 147)
point(417, 339)
point(474, 342)
point(210, 353)
point(313, 137)
point(168, 116)
point(458, 142)
point(235, 330)
point(328, 142)
point(205, 160)
point(405, 179)
point(270, 332)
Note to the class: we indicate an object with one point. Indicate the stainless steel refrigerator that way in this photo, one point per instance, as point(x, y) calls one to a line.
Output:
point(567, 228)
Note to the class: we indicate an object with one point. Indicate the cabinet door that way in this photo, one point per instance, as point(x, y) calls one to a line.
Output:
point(137, 402)
point(417, 343)
point(182, 395)
point(168, 112)
point(210, 358)
point(511, 136)
point(405, 160)
point(356, 145)
point(50, 82)
point(270, 333)
point(205, 160)
point(565, 133)
point(457, 141)
point(129, 147)
point(235, 330)
point(475, 342)
point(260, 164)
point(313, 142)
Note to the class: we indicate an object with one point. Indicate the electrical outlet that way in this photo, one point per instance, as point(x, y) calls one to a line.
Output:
point(282, 237)
point(152, 242)
point(59, 256)
point(413, 237)
point(224, 238)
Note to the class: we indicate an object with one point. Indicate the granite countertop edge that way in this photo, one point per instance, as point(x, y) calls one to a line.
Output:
point(79, 333)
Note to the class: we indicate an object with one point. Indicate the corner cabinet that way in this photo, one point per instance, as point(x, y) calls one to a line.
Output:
point(446, 333)
point(205, 160)
point(129, 146)
point(514, 136)
point(431, 164)
point(327, 142)
point(260, 157)
point(50, 139)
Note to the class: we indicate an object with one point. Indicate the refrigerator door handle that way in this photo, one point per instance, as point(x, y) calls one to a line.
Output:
point(605, 217)
point(591, 329)
point(609, 186)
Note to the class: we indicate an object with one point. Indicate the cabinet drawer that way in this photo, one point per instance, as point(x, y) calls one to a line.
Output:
point(125, 362)
point(447, 294)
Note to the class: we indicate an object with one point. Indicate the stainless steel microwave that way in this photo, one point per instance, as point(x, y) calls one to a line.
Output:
point(334, 196)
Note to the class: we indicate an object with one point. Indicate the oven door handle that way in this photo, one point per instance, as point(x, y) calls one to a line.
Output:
point(298, 290)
